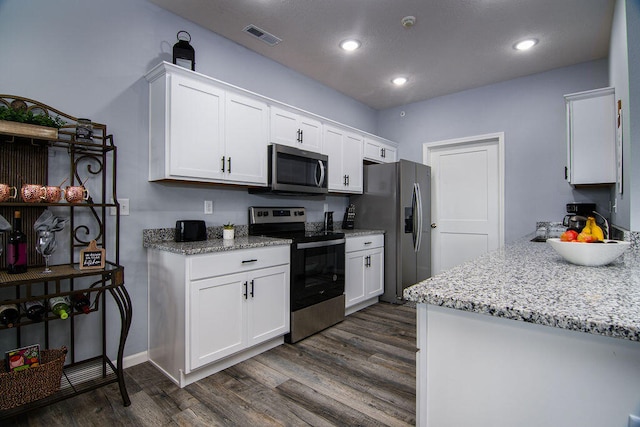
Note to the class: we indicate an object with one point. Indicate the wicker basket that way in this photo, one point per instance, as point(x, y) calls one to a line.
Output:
point(19, 388)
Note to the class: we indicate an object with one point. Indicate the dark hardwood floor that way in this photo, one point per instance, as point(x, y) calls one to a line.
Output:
point(360, 372)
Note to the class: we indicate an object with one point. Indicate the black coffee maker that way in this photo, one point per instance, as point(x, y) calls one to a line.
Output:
point(577, 215)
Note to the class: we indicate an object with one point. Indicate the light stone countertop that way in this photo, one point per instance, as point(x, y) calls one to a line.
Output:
point(359, 232)
point(530, 282)
point(214, 245)
point(162, 239)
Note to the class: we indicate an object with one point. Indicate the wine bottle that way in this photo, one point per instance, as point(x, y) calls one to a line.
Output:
point(59, 306)
point(9, 314)
point(17, 247)
point(35, 310)
point(81, 302)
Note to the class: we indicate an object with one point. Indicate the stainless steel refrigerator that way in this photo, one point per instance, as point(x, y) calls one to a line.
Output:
point(397, 199)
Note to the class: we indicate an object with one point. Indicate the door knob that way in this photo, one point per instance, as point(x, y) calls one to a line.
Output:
point(433, 225)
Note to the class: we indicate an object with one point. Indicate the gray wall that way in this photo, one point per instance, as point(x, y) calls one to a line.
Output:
point(88, 58)
point(531, 113)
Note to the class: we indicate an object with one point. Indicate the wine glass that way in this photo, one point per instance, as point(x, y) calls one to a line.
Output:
point(45, 245)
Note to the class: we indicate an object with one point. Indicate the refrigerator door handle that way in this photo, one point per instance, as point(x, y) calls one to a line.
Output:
point(417, 212)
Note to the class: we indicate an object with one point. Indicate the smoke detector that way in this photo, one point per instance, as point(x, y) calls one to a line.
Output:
point(408, 21)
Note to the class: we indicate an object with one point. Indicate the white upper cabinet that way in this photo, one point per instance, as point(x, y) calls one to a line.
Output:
point(203, 130)
point(187, 133)
point(378, 151)
point(295, 130)
point(591, 137)
point(344, 149)
point(246, 129)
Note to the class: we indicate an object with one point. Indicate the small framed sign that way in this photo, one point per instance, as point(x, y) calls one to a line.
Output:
point(92, 257)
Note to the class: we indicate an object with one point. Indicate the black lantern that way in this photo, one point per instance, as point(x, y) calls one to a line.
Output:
point(183, 53)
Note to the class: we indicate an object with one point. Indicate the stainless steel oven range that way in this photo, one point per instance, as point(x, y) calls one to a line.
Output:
point(317, 268)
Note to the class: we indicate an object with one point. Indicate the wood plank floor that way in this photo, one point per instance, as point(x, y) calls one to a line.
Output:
point(360, 372)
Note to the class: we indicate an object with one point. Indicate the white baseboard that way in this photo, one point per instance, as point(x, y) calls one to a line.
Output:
point(135, 359)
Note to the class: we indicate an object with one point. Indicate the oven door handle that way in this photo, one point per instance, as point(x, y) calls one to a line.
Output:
point(320, 244)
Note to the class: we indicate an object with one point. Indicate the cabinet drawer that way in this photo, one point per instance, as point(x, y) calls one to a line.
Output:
point(211, 265)
point(364, 242)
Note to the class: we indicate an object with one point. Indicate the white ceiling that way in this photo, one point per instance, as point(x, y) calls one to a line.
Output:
point(454, 45)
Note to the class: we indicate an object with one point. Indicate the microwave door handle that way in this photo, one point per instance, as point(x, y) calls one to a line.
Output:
point(320, 182)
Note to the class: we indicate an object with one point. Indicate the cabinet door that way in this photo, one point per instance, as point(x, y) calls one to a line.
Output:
point(311, 133)
point(373, 151)
point(354, 288)
point(216, 311)
point(374, 274)
point(195, 128)
point(389, 154)
point(352, 162)
point(591, 137)
point(246, 133)
point(332, 147)
point(295, 130)
point(268, 314)
point(284, 127)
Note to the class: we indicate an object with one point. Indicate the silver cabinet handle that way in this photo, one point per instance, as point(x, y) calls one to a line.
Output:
point(229, 163)
point(223, 163)
point(433, 225)
point(249, 260)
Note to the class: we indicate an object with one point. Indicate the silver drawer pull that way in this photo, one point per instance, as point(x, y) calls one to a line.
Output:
point(368, 243)
point(246, 261)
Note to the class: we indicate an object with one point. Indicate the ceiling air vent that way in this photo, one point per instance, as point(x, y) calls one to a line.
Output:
point(269, 39)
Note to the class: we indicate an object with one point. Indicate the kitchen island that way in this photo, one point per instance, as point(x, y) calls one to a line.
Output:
point(521, 337)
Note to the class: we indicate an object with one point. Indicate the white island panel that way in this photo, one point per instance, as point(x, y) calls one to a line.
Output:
point(489, 371)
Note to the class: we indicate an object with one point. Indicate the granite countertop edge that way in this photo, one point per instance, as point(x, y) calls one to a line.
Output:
point(596, 300)
point(215, 245)
point(360, 232)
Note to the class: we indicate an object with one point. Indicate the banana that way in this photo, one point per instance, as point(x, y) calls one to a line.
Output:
point(593, 229)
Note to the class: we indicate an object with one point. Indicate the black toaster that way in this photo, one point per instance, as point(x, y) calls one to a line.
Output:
point(190, 231)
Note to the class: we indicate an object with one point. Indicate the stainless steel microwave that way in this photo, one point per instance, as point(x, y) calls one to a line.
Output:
point(292, 170)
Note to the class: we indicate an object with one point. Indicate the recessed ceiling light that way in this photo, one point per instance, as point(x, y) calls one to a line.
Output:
point(525, 44)
point(350, 45)
point(399, 81)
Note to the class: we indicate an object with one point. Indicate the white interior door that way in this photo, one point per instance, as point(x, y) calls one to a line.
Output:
point(467, 198)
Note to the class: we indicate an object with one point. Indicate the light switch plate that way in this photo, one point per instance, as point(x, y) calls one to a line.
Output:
point(208, 207)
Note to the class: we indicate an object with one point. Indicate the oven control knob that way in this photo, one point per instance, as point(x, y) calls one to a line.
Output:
point(266, 213)
point(301, 213)
point(259, 213)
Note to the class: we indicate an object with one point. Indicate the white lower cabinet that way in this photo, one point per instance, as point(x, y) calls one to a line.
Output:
point(364, 265)
point(210, 311)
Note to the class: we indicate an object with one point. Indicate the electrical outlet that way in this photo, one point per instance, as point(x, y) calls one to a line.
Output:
point(124, 206)
point(208, 207)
